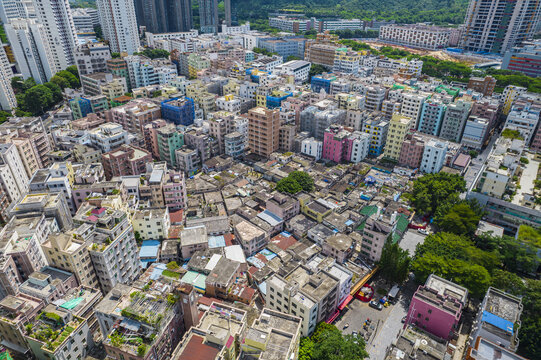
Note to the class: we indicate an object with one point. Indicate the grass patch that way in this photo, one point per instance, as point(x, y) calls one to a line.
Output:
point(171, 274)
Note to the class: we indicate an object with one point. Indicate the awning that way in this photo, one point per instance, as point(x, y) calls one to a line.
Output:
point(333, 317)
point(345, 303)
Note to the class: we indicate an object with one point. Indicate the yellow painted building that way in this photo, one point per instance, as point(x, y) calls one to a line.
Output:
point(398, 129)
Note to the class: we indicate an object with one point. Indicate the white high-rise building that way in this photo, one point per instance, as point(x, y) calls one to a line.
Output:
point(7, 96)
point(119, 25)
point(495, 26)
point(55, 16)
point(31, 49)
point(16, 9)
point(12, 174)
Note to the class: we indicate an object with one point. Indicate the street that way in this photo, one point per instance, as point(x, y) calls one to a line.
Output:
point(477, 164)
point(387, 333)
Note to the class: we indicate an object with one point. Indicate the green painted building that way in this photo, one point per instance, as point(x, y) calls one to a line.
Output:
point(169, 140)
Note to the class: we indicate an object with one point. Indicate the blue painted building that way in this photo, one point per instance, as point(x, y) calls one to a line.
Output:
point(319, 82)
point(274, 100)
point(285, 46)
point(180, 111)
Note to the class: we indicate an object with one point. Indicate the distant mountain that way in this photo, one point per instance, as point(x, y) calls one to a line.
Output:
point(403, 11)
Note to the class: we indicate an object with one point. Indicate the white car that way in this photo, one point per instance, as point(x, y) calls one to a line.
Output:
point(424, 231)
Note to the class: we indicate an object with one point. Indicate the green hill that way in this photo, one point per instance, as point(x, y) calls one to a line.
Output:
point(403, 11)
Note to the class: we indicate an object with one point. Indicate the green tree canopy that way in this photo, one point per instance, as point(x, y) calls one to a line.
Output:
point(394, 262)
point(21, 86)
point(38, 99)
point(60, 81)
point(433, 190)
point(461, 219)
point(288, 185)
point(72, 79)
point(328, 343)
point(304, 180)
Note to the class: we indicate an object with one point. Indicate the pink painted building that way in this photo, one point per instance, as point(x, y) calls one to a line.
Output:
point(150, 135)
point(437, 307)
point(411, 152)
point(174, 191)
point(337, 144)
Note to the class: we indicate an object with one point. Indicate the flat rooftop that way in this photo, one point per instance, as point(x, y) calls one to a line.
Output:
point(447, 288)
point(503, 305)
point(316, 285)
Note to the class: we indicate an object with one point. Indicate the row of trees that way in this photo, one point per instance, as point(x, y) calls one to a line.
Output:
point(328, 343)
point(35, 99)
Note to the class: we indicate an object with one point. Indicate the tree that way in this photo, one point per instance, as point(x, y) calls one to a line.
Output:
point(99, 32)
point(304, 180)
point(154, 53)
point(60, 81)
point(306, 348)
point(292, 57)
point(394, 262)
point(516, 256)
point(455, 258)
point(21, 86)
point(316, 69)
point(432, 190)
point(115, 55)
point(461, 219)
point(72, 79)
point(38, 99)
point(57, 92)
point(288, 185)
point(73, 69)
point(508, 282)
point(329, 344)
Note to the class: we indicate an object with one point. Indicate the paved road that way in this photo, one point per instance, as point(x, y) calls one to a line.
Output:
point(477, 164)
point(388, 332)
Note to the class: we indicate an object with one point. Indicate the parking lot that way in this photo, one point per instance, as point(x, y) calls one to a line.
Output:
point(385, 324)
point(410, 240)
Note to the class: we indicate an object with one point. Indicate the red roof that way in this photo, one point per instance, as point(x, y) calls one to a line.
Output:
point(97, 211)
point(462, 160)
point(252, 270)
point(176, 217)
point(92, 218)
point(229, 239)
point(197, 347)
point(207, 300)
point(283, 242)
point(174, 231)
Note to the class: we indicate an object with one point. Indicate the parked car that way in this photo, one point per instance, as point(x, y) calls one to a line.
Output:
point(376, 305)
point(424, 231)
point(346, 325)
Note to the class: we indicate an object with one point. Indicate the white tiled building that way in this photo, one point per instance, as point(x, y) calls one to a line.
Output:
point(312, 147)
point(119, 25)
point(418, 35)
point(55, 16)
point(30, 46)
point(433, 156)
